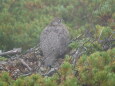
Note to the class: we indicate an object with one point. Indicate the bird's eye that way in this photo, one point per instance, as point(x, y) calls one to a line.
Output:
point(60, 20)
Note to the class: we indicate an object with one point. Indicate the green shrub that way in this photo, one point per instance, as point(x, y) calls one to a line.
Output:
point(2, 58)
point(97, 69)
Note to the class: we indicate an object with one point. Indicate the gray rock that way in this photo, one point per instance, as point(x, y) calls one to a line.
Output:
point(53, 41)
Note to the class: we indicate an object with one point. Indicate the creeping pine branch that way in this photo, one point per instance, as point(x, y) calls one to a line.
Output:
point(100, 35)
point(108, 40)
point(76, 38)
point(78, 53)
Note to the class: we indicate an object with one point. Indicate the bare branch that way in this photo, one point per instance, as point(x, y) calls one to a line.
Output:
point(14, 51)
point(100, 35)
point(25, 64)
point(108, 40)
point(75, 38)
point(51, 72)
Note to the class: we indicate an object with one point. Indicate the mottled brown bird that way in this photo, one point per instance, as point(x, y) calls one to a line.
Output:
point(54, 40)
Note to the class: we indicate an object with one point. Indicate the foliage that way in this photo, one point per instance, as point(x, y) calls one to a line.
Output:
point(2, 58)
point(5, 80)
point(98, 69)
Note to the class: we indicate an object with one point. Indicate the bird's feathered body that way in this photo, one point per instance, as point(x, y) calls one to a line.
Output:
point(53, 42)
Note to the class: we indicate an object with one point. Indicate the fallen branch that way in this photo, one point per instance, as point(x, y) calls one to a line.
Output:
point(14, 51)
point(25, 64)
point(51, 72)
point(28, 74)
